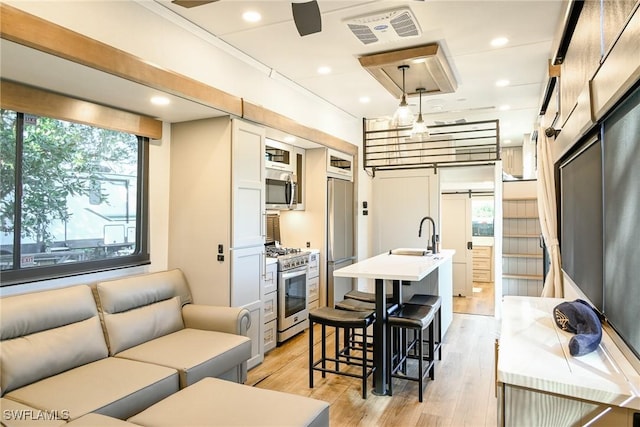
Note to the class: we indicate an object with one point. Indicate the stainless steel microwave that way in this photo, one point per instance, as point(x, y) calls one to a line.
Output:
point(280, 189)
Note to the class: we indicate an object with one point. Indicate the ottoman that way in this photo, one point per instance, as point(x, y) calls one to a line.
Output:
point(216, 402)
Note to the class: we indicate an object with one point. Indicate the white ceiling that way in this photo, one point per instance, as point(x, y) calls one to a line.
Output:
point(464, 30)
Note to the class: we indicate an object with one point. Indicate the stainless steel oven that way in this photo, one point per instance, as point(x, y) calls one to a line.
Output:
point(293, 295)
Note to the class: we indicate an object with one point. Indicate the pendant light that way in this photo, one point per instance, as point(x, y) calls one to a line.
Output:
point(403, 115)
point(419, 126)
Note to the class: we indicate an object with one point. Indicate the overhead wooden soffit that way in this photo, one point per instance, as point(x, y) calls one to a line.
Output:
point(18, 97)
point(261, 115)
point(428, 68)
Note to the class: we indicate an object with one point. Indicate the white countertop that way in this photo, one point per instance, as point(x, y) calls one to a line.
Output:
point(534, 354)
point(396, 267)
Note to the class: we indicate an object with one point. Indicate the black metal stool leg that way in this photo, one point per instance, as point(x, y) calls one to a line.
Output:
point(324, 351)
point(311, 355)
point(420, 364)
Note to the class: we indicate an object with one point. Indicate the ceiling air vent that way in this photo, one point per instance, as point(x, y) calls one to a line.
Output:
point(381, 27)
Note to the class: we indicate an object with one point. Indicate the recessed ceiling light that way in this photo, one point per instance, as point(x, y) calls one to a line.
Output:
point(502, 83)
point(505, 107)
point(160, 100)
point(324, 70)
point(419, 60)
point(499, 41)
point(365, 99)
point(251, 16)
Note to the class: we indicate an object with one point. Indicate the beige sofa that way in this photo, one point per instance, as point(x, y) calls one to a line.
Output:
point(117, 347)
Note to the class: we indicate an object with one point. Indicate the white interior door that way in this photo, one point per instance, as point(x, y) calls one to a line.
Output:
point(402, 199)
point(457, 234)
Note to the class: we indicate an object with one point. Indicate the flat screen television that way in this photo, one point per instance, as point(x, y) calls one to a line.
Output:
point(581, 220)
point(599, 202)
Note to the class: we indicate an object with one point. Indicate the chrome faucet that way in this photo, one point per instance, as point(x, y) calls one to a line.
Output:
point(434, 237)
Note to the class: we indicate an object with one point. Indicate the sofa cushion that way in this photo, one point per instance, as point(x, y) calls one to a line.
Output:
point(194, 353)
point(38, 311)
point(136, 326)
point(16, 414)
point(234, 405)
point(46, 333)
point(116, 296)
point(28, 359)
point(112, 386)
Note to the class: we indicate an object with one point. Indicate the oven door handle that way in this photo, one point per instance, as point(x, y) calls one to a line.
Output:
point(294, 273)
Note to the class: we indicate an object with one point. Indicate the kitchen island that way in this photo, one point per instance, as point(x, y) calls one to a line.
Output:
point(435, 270)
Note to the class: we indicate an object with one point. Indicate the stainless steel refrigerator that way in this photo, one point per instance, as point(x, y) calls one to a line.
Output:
point(340, 237)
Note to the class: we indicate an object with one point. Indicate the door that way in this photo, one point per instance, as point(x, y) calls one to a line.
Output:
point(396, 216)
point(247, 266)
point(457, 234)
point(340, 227)
point(248, 228)
point(248, 200)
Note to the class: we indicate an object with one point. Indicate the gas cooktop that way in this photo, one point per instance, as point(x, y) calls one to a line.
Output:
point(288, 258)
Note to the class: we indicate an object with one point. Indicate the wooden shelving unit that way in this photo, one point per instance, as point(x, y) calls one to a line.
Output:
point(522, 253)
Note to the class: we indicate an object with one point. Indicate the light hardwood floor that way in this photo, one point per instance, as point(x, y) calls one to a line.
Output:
point(462, 393)
point(481, 301)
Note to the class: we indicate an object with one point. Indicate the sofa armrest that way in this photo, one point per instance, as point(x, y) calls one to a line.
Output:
point(233, 320)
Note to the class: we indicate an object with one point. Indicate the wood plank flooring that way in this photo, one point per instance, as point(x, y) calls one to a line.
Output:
point(481, 301)
point(462, 393)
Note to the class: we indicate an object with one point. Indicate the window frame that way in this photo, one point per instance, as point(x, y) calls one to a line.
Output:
point(19, 276)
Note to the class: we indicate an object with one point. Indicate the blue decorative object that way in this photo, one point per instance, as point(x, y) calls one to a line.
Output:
point(581, 319)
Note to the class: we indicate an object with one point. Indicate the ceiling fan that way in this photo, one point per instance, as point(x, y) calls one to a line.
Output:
point(306, 15)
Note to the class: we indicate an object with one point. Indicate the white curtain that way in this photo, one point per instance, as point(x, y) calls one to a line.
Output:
point(548, 220)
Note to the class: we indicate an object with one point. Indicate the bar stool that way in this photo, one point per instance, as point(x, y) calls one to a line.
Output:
point(359, 305)
point(417, 318)
point(347, 321)
point(351, 336)
point(434, 301)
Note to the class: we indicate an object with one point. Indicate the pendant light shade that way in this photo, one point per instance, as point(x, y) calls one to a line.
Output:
point(419, 126)
point(403, 115)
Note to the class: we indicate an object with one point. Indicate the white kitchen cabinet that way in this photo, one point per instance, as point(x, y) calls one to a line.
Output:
point(216, 232)
point(339, 165)
point(300, 169)
point(270, 304)
point(313, 279)
point(279, 155)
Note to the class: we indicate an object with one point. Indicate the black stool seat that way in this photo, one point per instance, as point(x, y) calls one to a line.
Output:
point(350, 355)
point(341, 318)
point(415, 317)
point(434, 301)
point(365, 296)
point(355, 305)
point(412, 316)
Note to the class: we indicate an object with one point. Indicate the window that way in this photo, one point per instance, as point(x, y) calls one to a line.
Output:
point(72, 198)
point(482, 216)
